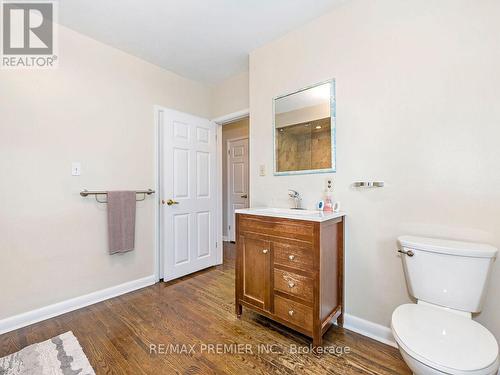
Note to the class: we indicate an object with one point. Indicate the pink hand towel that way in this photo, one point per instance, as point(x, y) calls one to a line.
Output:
point(121, 221)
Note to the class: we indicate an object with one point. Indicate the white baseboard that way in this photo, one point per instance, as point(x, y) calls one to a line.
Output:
point(366, 328)
point(43, 313)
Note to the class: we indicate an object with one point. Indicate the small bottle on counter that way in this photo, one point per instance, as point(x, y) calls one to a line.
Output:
point(328, 202)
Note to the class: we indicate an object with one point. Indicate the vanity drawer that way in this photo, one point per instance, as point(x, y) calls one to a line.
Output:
point(292, 283)
point(284, 228)
point(293, 255)
point(293, 312)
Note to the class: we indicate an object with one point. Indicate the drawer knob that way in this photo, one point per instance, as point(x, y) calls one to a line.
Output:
point(291, 285)
point(291, 257)
point(265, 251)
point(291, 312)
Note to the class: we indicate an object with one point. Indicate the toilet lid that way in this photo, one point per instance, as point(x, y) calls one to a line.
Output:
point(441, 338)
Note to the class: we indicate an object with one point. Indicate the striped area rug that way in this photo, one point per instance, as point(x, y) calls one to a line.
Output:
point(61, 355)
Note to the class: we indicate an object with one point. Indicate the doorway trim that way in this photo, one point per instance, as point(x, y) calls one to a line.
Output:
point(232, 117)
point(219, 121)
point(158, 256)
point(228, 180)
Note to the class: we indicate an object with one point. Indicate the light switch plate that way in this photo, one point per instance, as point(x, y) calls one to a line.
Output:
point(262, 170)
point(76, 169)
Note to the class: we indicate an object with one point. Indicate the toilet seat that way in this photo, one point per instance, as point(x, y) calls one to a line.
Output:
point(445, 341)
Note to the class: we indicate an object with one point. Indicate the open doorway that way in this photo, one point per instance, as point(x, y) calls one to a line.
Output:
point(235, 173)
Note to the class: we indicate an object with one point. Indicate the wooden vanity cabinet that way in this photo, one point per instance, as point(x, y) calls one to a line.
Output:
point(291, 271)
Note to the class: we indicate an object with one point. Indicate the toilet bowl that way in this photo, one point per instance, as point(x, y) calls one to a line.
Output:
point(435, 341)
point(437, 334)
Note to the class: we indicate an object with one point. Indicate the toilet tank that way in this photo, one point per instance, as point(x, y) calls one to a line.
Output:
point(447, 273)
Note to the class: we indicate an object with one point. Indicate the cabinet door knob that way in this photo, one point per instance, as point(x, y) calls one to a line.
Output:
point(291, 285)
point(265, 251)
point(291, 257)
point(291, 312)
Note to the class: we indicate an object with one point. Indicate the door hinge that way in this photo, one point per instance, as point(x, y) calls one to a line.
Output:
point(216, 244)
point(229, 152)
point(229, 227)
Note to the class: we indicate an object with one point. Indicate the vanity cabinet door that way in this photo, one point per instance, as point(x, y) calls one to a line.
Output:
point(256, 271)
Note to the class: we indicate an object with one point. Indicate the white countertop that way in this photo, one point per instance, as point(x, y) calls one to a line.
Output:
point(289, 213)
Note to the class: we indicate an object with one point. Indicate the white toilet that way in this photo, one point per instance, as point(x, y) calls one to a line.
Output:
point(437, 335)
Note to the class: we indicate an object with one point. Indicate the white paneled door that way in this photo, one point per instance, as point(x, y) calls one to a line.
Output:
point(188, 193)
point(237, 169)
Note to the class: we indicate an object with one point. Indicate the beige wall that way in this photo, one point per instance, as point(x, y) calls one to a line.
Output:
point(230, 95)
point(237, 129)
point(96, 108)
point(418, 86)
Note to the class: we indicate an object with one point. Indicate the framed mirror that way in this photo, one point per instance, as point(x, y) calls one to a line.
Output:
point(304, 130)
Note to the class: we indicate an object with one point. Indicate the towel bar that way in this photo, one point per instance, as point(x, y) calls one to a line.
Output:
point(96, 193)
point(368, 184)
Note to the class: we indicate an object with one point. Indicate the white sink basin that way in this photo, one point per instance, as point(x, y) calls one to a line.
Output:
point(288, 213)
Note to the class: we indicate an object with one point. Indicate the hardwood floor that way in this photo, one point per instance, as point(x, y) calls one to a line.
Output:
point(117, 334)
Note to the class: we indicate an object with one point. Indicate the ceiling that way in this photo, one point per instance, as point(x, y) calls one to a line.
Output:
point(205, 40)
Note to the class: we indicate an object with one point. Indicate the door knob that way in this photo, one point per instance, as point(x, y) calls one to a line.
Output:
point(291, 257)
point(265, 251)
point(244, 196)
point(291, 312)
point(170, 202)
point(291, 285)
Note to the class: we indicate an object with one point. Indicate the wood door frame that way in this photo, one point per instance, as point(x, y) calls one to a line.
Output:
point(158, 150)
point(228, 157)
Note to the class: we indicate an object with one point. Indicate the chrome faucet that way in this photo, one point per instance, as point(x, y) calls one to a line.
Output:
point(296, 198)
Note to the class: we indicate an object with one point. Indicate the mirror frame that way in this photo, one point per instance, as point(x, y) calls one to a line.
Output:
point(333, 135)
